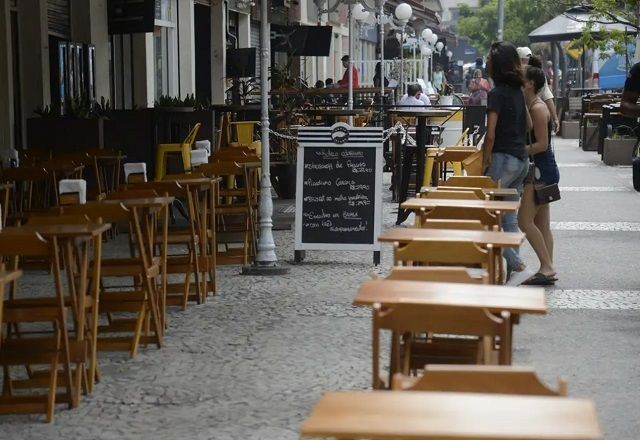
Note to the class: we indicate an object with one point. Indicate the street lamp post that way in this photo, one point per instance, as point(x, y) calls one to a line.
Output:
point(266, 261)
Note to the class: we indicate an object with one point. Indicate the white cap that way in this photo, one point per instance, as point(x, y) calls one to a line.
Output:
point(524, 52)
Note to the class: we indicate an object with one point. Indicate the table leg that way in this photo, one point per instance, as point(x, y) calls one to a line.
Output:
point(421, 141)
point(95, 308)
point(407, 161)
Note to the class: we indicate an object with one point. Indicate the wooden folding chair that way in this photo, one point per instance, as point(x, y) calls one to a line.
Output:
point(460, 253)
point(470, 181)
point(408, 352)
point(193, 263)
point(442, 274)
point(235, 211)
point(31, 190)
point(468, 225)
point(456, 195)
point(486, 379)
point(491, 221)
point(25, 342)
point(141, 297)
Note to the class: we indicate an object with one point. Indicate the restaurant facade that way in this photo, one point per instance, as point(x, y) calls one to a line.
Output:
point(133, 58)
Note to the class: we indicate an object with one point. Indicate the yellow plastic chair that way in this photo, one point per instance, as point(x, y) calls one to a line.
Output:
point(184, 148)
point(241, 134)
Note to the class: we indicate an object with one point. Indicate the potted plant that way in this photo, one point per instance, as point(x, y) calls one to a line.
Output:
point(288, 98)
point(243, 91)
point(73, 125)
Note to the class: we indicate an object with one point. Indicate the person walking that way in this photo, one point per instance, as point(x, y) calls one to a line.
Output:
point(535, 219)
point(439, 80)
point(478, 88)
point(505, 152)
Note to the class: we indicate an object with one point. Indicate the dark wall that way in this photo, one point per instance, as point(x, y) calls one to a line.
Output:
point(202, 21)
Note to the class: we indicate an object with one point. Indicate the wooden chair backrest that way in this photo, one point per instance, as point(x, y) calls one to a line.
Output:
point(468, 225)
point(220, 169)
point(470, 181)
point(453, 320)
point(175, 177)
point(23, 243)
point(165, 187)
point(457, 195)
point(440, 252)
point(106, 212)
point(137, 193)
point(442, 274)
point(52, 218)
point(34, 155)
point(136, 177)
point(79, 158)
point(458, 213)
point(23, 174)
point(479, 379)
point(477, 191)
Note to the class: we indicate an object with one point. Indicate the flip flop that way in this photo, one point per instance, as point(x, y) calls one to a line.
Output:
point(539, 279)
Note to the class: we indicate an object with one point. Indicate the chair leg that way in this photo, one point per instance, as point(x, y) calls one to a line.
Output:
point(137, 332)
point(428, 171)
point(53, 383)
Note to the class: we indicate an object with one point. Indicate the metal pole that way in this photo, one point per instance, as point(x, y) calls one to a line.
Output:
point(266, 255)
point(350, 65)
point(500, 20)
point(381, 17)
point(402, 61)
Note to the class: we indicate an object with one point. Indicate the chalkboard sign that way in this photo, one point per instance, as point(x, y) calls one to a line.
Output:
point(338, 192)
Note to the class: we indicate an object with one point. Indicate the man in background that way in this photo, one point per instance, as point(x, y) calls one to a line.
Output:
point(344, 82)
point(545, 93)
point(412, 98)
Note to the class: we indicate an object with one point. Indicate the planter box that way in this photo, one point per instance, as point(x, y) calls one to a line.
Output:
point(66, 135)
point(618, 151)
point(591, 137)
point(571, 129)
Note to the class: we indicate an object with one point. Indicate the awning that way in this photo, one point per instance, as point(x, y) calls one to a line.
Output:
point(569, 25)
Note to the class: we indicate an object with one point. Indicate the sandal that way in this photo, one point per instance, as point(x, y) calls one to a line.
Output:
point(539, 279)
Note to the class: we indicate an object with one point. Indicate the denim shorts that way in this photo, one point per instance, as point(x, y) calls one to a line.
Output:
point(510, 170)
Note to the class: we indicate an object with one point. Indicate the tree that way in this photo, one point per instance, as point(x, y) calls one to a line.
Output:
point(480, 24)
point(603, 12)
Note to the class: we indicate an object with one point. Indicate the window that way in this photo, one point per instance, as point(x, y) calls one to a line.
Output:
point(165, 48)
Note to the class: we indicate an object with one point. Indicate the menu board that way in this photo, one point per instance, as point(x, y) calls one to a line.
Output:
point(338, 192)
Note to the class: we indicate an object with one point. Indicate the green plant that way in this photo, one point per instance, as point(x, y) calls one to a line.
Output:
point(76, 108)
point(242, 90)
point(175, 101)
point(288, 100)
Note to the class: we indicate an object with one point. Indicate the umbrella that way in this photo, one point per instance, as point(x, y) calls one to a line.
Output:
point(570, 24)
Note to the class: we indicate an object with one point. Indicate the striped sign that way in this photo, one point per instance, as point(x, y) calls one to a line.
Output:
point(339, 189)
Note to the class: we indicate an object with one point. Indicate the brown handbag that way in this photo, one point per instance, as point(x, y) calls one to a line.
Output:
point(546, 194)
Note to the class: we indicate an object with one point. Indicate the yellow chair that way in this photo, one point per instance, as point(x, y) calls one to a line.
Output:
point(184, 148)
point(241, 134)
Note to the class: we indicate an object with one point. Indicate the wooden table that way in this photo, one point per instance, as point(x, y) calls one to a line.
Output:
point(516, 300)
point(494, 206)
point(494, 241)
point(74, 245)
point(497, 239)
point(423, 133)
point(496, 299)
point(455, 416)
point(492, 193)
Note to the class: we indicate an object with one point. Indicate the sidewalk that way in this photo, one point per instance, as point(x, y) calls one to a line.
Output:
point(251, 362)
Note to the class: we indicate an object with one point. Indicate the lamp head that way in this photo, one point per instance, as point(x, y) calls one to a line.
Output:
point(403, 12)
point(359, 12)
point(426, 34)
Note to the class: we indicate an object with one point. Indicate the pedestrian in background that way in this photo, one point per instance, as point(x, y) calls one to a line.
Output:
point(535, 218)
point(505, 152)
point(478, 88)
